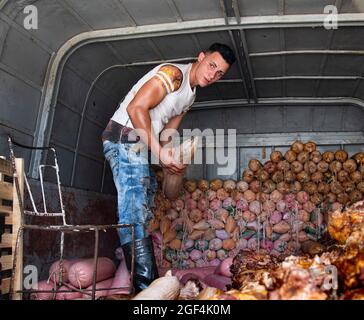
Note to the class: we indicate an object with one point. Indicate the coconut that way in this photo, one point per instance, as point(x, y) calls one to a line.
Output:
point(335, 166)
point(323, 188)
point(316, 156)
point(317, 177)
point(248, 175)
point(270, 167)
point(310, 167)
point(322, 166)
point(303, 157)
point(255, 186)
point(295, 187)
point(348, 186)
point(356, 176)
point(297, 147)
point(278, 176)
point(216, 184)
point(343, 198)
point(262, 175)
point(229, 185)
point(283, 165)
point(336, 187)
point(309, 146)
point(268, 186)
point(190, 185)
point(310, 187)
point(343, 176)
point(303, 177)
point(355, 196)
point(276, 156)
point(254, 165)
point(242, 186)
point(203, 185)
point(360, 186)
point(290, 156)
point(350, 165)
point(341, 155)
point(328, 156)
point(316, 198)
point(283, 187)
point(296, 166)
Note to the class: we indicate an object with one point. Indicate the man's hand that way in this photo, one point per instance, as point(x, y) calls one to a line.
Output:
point(167, 161)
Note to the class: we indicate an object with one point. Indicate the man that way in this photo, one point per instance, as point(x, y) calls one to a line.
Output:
point(158, 101)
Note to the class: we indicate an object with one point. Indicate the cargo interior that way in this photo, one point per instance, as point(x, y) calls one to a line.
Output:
point(294, 95)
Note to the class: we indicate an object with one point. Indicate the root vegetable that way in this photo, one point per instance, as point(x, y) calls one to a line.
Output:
point(228, 244)
point(215, 244)
point(197, 234)
point(276, 156)
point(254, 165)
point(262, 175)
point(289, 177)
point(221, 194)
point(255, 186)
point(216, 223)
point(242, 186)
point(296, 166)
point(283, 165)
point(356, 176)
point(249, 195)
point(290, 156)
point(281, 227)
point(268, 186)
point(341, 155)
point(248, 175)
point(255, 207)
point(310, 167)
point(283, 187)
point(203, 185)
point(195, 215)
point(222, 234)
point(278, 177)
point(310, 146)
point(190, 185)
point(328, 156)
point(310, 187)
point(303, 157)
point(229, 185)
point(303, 177)
point(270, 167)
point(322, 166)
point(230, 224)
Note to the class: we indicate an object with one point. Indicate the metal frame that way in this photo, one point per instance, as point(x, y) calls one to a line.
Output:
point(62, 228)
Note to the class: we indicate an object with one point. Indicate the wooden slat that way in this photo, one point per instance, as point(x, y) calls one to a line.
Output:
point(6, 209)
point(9, 220)
point(5, 285)
point(18, 277)
point(5, 167)
point(6, 240)
point(6, 191)
point(6, 262)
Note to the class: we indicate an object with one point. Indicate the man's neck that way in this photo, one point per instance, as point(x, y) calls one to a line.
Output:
point(193, 80)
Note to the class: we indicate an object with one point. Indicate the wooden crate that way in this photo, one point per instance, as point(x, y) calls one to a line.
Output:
point(10, 220)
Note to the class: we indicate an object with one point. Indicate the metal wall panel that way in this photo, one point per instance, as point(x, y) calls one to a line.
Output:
point(343, 65)
point(19, 102)
point(303, 65)
point(88, 174)
point(64, 125)
point(314, 38)
point(90, 142)
point(268, 119)
point(300, 88)
point(23, 55)
point(263, 40)
point(306, 6)
point(192, 9)
point(336, 88)
point(267, 66)
point(353, 119)
point(258, 7)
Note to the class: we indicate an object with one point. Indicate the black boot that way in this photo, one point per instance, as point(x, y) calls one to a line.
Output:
point(145, 270)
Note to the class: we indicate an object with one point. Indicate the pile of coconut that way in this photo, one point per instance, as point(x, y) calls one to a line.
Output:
point(276, 206)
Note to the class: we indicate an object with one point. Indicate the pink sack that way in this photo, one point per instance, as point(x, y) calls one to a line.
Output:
point(81, 273)
point(68, 295)
point(46, 286)
point(106, 284)
point(223, 268)
point(54, 270)
point(121, 279)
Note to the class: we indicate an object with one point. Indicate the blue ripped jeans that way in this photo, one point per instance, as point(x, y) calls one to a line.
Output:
point(136, 185)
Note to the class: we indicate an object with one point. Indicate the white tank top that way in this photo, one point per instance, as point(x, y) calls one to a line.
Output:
point(172, 105)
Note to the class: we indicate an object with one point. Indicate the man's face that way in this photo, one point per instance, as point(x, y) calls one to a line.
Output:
point(211, 68)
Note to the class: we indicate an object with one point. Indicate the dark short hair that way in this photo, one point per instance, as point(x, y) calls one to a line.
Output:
point(225, 52)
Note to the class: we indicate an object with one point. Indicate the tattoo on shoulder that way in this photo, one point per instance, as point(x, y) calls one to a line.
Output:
point(170, 77)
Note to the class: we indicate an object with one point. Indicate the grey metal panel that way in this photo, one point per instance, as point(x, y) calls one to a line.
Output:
point(149, 12)
point(116, 81)
point(92, 59)
point(197, 9)
point(300, 88)
point(207, 93)
point(88, 174)
point(360, 91)
point(242, 119)
point(176, 47)
point(352, 6)
point(230, 90)
point(212, 169)
point(269, 119)
point(90, 142)
point(65, 160)
point(269, 89)
point(19, 102)
point(73, 89)
point(263, 40)
point(346, 38)
point(21, 54)
point(258, 7)
point(336, 88)
point(107, 14)
point(305, 38)
point(195, 171)
point(327, 118)
point(266, 66)
point(301, 65)
point(353, 119)
point(306, 6)
point(298, 119)
point(135, 50)
point(65, 126)
point(346, 65)
point(56, 25)
point(98, 103)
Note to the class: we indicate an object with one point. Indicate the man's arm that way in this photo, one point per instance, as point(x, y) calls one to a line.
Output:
point(168, 79)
